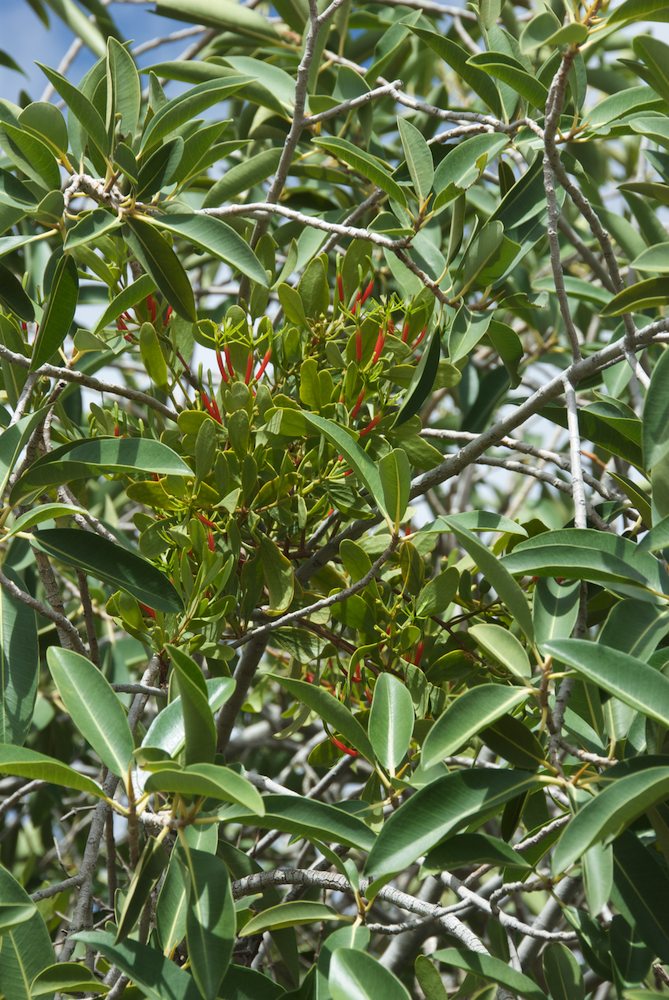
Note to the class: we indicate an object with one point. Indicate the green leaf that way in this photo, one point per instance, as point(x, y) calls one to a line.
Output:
point(624, 676)
point(655, 259)
point(645, 294)
point(437, 593)
point(483, 248)
point(186, 107)
point(23, 763)
point(554, 609)
point(10, 243)
point(641, 880)
point(439, 809)
point(126, 299)
point(208, 781)
point(222, 14)
point(279, 575)
point(395, 476)
point(114, 564)
point(162, 264)
point(199, 728)
point(390, 721)
point(429, 979)
point(210, 920)
point(172, 902)
point(290, 914)
point(495, 572)
point(467, 715)
point(422, 380)
point(155, 975)
point(19, 664)
point(150, 867)
point(242, 177)
point(639, 10)
point(59, 312)
point(464, 164)
point(656, 414)
point(91, 227)
point(82, 109)
point(418, 156)
point(93, 457)
point(93, 707)
point(168, 730)
point(215, 237)
point(124, 92)
point(66, 977)
point(32, 155)
point(476, 520)
point(25, 947)
point(12, 442)
point(605, 816)
point(472, 849)
point(503, 646)
point(562, 973)
point(79, 24)
point(490, 969)
point(355, 974)
point(331, 711)
point(457, 58)
point(315, 820)
point(13, 296)
point(364, 163)
point(507, 69)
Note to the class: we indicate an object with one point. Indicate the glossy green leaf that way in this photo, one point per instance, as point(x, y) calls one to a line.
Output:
point(625, 677)
point(290, 914)
point(467, 849)
point(160, 261)
point(554, 609)
point(507, 69)
point(150, 867)
point(172, 902)
point(82, 109)
point(13, 297)
point(124, 92)
point(199, 727)
point(19, 664)
point(318, 821)
point(208, 781)
point(395, 476)
point(167, 731)
point(25, 947)
point(59, 312)
point(496, 573)
point(91, 457)
point(126, 299)
point(242, 177)
point(218, 238)
point(222, 14)
point(645, 294)
point(655, 259)
point(364, 163)
point(464, 164)
point(157, 976)
point(91, 227)
point(279, 575)
point(457, 57)
point(210, 920)
point(331, 711)
point(356, 974)
point(429, 979)
point(466, 716)
point(656, 414)
point(503, 646)
point(418, 156)
point(490, 969)
point(114, 564)
point(639, 10)
point(641, 880)
point(562, 973)
point(605, 816)
point(435, 597)
point(391, 721)
point(66, 977)
point(422, 380)
point(31, 154)
point(94, 708)
point(440, 808)
point(476, 520)
point(23, 763)
point(186, 107)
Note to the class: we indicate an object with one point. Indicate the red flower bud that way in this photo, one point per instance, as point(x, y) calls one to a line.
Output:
point(228, 361)
point(358, 404)
point(263, 364)
point(342, 746)
point(211, 406)
point(358, 344)
point(146, 610)
point(340, 287)
point(221, 366)
point(405, 331)
point(249, 368)
point(151, 306)
point(378, 347)
point(367, 292)
point(368, 428)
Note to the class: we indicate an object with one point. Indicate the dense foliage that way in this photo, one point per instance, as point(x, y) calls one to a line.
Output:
point(335, 470)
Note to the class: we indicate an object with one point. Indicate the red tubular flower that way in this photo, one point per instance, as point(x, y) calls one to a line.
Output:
point(221, 366)
point(391, 326)
point(358, 344)
point(249, 368)
point(378, 347)
point(211, 406)
point(120, 324)
point(168, 314)
point(228, 361)
point(419, 338)
point(263, 364)
point(342, 746)
point(340, 287)
point(367, 292)
point(405, 331)
point(204, 520)
point(146, 610)
point(418, 655)
point(368, 428)
point(358, 403)
point(117, 431)
point(211, 544)
point(151, 306)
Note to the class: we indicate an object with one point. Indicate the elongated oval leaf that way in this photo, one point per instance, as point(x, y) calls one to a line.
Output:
point(356, 974)
point(26, 948)
point(470, 713)
point(167, 731)
point(162, 264)
point(218, 238)
point(364, 163)
point(114, 564)
point(19, 664)
point(291, 914)
point(199, 728)
point(418, 155)
point(330, 710)
point(210, 781)
point(210, 919)
point(59, 311)
point(626, 677)
point(157, 976)
point(82, 109)
point(656, 414)
point(126, 299)
point(315, 820)
point(643, 295)
point(94, 708)
point(442, 807)
point(503, 646)
point(23, 763)
point(187, 106)
point(489, 968)
point(391, 721)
